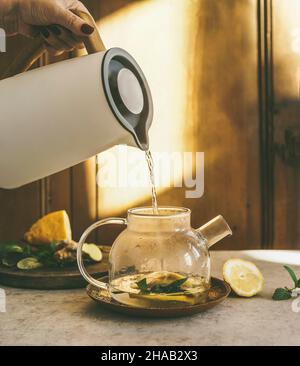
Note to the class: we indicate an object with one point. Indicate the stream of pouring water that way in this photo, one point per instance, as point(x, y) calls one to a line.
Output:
point(149, 160)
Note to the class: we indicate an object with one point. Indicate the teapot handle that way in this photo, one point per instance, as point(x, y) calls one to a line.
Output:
point(82, 269)
point(36, 49)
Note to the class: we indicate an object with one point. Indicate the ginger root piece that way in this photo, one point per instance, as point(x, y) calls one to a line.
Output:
point(67, 253)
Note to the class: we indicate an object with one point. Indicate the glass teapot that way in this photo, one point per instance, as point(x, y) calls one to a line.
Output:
point(159, 260)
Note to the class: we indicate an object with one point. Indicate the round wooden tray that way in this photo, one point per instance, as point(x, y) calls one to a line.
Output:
point(52, 278)
point(217, 293)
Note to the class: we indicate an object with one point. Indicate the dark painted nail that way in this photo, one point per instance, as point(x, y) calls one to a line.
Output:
point(44, 32)
point(55, 30)
point(87, 29)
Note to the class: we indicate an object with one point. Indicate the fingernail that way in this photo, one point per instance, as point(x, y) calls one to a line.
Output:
point(45, 32)
point(87, 29)
point(55, 30)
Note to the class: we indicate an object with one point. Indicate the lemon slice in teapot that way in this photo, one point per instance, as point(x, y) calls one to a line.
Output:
point(190, 299)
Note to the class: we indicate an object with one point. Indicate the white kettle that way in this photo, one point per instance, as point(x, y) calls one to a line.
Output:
point(58, 115)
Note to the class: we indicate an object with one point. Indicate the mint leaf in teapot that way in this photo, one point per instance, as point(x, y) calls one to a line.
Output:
point(170, 288)
point(142, 285)
point(281, 294)
point(162, 288)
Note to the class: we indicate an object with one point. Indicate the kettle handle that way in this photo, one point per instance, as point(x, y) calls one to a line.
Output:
point(35, 50)
point(93, 43)
point(82, 269)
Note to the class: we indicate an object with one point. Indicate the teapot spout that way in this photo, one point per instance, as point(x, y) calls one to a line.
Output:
point(214, 230)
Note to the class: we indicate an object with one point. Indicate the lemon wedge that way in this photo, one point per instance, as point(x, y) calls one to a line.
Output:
point(243, 276)
point(52, 227)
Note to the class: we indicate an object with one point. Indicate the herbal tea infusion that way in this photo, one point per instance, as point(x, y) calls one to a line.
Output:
point(159, 260)
point(159, 289)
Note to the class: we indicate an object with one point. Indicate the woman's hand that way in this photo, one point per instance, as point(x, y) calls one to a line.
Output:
point(61, 29)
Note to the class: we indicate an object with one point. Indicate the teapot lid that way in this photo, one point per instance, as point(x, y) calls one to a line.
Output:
point(128, 94)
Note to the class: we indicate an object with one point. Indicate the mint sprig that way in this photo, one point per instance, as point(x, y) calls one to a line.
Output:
point(292, 274)
point(173, 287)
point(286, 293)
point(282, 294)
point(14, 251)
point(142, 285)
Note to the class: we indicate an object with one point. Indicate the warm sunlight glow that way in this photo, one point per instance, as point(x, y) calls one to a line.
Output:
point(154, 32)
point(287, 46)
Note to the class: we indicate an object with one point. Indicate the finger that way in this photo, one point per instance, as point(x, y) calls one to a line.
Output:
point(56, 42)
point(28, 30)
point(75, 24)
point(53, 52)
point(53, 41)
point(66, 36)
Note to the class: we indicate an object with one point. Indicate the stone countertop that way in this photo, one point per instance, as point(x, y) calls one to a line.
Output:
point(70, 317)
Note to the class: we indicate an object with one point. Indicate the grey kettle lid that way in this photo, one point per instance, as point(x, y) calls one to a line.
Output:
point(128, 94)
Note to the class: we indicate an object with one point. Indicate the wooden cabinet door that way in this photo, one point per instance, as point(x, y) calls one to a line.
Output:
point(286, 122)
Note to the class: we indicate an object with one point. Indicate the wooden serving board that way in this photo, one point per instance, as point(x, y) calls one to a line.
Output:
point(52, 278)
